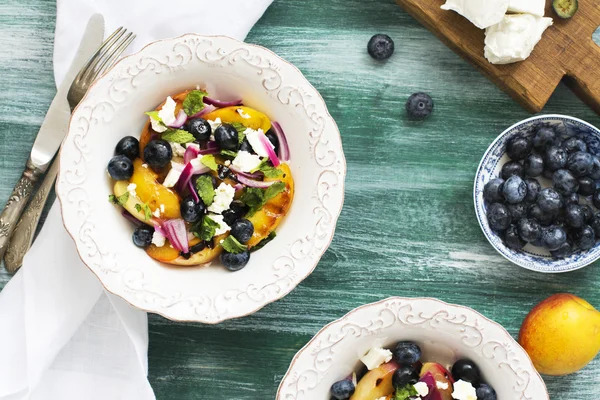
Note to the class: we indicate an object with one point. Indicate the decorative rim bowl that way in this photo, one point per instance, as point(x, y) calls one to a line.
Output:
point(444, 331)
point(531, 257)
point(114, 108)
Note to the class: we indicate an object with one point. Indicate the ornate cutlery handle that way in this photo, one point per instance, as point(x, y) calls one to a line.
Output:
point(22, 237)
point(16, 203)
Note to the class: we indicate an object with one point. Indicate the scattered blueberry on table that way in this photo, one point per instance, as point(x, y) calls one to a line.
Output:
point(419, 106)
point(380, 47)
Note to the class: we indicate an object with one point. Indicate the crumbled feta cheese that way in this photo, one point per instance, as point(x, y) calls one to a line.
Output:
point(441, 385)
point(144, 165)
point(223, 227)
point(514, 38)
point(157, 126)
point(375, 357)
point(131, 189)
point(227, 163)
point(158, 239)
point(223, 198)
point(421, 388)
point(197, 87)
point(167, 112)
point(156, 213)
point(245, 161)
point(535, 7)
point(464, 391)
point(162, 208)
point(481, 13)
point(243, 114)
point(383, 398)
point(256, 143)
point(214, 124)
point(178, 150)
point(173, 175)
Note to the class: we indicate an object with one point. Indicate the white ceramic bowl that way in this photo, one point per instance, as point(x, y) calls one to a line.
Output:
point(114, 107)
point(533, 257)
point(444, 331)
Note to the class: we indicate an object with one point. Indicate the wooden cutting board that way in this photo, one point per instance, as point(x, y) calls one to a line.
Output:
point(565, 51)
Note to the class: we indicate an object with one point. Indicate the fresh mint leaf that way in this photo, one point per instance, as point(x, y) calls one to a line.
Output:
point(229, 153)
point(194, 102)
point(121, 200)
point(265, 241)
point(205, 189)
point(206, 229)
point(177, 136)
point(405, 393)
point(154, 116)
point(231, 245)
point(274, 190)
point(263, 163)
point(256, 198)
point(209, 161)
point(145, 208)
point(241, 129)
point(271, 172)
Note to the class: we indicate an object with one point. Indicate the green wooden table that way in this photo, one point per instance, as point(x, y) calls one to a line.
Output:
point(408, 226)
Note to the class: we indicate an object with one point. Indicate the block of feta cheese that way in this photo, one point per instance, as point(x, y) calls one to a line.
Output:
point(535, 7)
point(514, 38)
point(375, 357)
point(482, 13)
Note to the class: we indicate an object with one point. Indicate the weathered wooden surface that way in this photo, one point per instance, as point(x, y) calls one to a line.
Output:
point(408, 225)
point(566, 49)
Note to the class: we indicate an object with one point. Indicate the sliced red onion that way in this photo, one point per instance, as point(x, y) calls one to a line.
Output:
point(269, 149)
point(191, 151)
point(249, 175)
point(131, 218)
point(207, 109)
point(220, 104)
point(177, 234)
point(204, 152)
point(238, 186)
point(252, 183)
point(194, 167)
point(179, 120)
point(193, 191)
point(284, 149)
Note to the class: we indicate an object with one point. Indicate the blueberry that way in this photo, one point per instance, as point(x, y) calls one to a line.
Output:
point(596, 198)
point(549, 200)
point(533, 165)
point(236, 210)
point(498, 217)
point(563, 251)
point(514, 189)
point(595, 172)
point(128, 147)
point(380, 47)
point(585, 238)
point(120, 168)
point(588, 214)
point(273, 139)
point(544, 138)
point(555, 158)
point(512, 240)
point(343, 389)
point(486, 392)
point(158, 154)
point(235, 262)
point(511, 168)
point(595, 224)
point(190, 210)
point(224, 172)
point(407, 353)
point(406, 374)
point(226, 137)
point(200, 128)
point(518, 147)
point(572, 198)
point(587, 186)
point(529, 230)
point(142, 236)
point(574, 216)
point(245, 146)
point(419, 106)
point(564, 182)
point(467, 371)
point(553, 237)
point(533, 189)
point(517, 211)
point(580, 164)
point(544, 218)
point(492, 191)
point(242, 230)
point(572, 145)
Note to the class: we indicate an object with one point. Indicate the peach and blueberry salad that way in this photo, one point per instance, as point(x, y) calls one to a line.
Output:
point(400, 374)
point(206, 179)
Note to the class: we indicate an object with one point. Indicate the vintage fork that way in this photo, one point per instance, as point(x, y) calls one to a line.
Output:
point(106, 56)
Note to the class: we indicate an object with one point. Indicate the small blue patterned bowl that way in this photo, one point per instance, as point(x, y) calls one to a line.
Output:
point(532, 257)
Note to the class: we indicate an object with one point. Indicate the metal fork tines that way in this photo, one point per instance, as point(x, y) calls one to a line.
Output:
point(104, 58)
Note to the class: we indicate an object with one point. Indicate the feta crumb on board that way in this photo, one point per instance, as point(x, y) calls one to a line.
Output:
point(421, 388)
point(245, 161)
point(158, 239)
point(535, 7)
point(464, 391)
point(375, 357)
point(223, 198)
point(514, 38)
point(223, 227)
point(482, 13)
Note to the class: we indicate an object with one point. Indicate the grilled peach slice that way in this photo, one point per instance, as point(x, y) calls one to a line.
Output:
point(169, 255)
point(376, 383)
point(120, 189)
point(439, 381)
point(230, 114)
point(154, 194)
point(269, 217)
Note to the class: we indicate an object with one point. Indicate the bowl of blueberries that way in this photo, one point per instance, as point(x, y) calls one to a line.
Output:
point(536, 196)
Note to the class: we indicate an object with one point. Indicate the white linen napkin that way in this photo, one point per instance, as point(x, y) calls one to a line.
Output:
point(62, 337)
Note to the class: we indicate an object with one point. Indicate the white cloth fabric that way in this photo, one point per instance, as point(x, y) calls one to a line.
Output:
point(62, 337)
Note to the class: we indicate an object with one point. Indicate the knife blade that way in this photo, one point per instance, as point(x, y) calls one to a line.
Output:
point(55, 125)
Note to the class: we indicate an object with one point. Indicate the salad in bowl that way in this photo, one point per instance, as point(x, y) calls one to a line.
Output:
point(206, 179)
